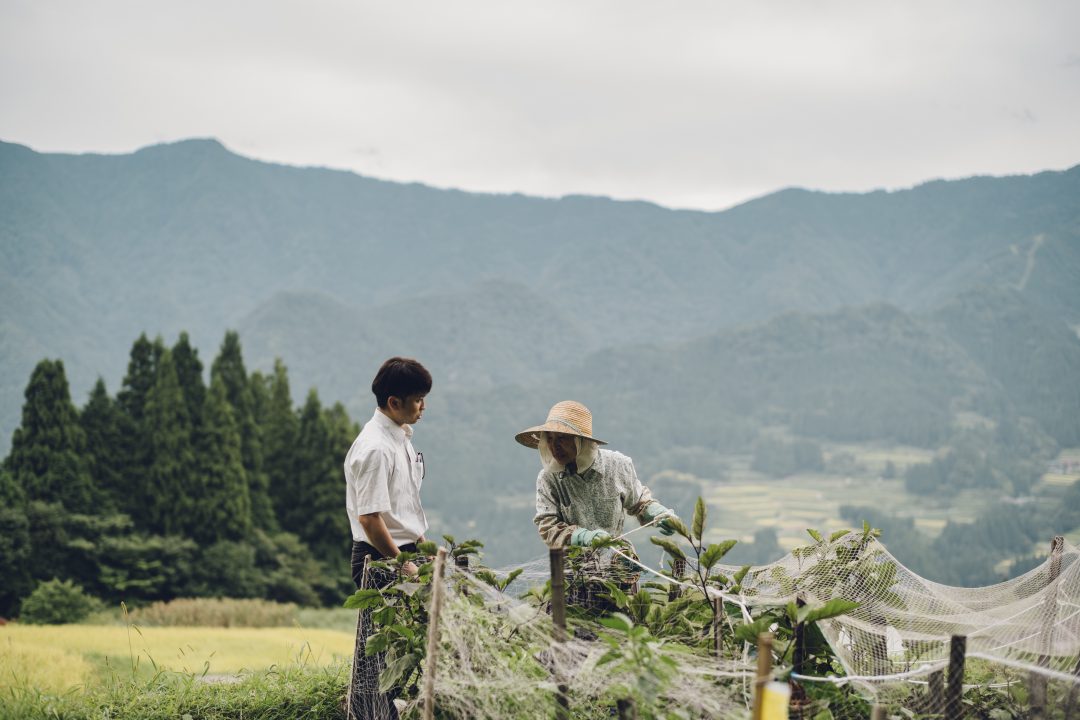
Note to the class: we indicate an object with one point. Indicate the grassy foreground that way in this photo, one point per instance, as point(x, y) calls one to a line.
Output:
point(57, 658)
point(72, 672)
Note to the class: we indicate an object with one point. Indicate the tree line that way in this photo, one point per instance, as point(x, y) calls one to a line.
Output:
point(176, 487)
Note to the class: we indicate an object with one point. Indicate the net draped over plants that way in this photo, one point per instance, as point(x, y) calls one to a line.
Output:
point(650, 638)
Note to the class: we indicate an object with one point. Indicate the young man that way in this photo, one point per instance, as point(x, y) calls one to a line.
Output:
point(383, 473)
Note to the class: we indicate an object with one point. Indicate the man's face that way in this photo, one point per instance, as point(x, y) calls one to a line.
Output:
point(407, 411)
point(563, 447)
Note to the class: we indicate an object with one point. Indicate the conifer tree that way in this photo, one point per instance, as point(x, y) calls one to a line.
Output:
point(102, 422)
point(134, 455)
point(280, 426)
point(141, 375)
point(228, 369)
point(189, 372)
point(316, 513)
point(223, 511)
point(47, 457)
point(14, 545)
point(170, 490)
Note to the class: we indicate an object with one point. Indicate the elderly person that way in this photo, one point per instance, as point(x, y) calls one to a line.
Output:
point(584, 493)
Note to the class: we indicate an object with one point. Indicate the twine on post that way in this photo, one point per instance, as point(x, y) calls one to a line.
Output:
point(433, 634)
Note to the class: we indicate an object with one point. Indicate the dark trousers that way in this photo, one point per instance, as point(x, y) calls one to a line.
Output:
point(365, 700)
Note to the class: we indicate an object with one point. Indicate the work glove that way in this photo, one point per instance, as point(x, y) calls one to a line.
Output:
point(655, 510)
point(583, 537)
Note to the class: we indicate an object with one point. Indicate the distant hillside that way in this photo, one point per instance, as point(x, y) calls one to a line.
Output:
point(189, 236)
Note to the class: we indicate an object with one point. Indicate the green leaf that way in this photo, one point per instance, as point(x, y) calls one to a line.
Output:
point(669, 546)
point(678, 526)
point(699, 518)
point(510, 578)
point(837, 535)
point(427, 548)
point(449, 539)
point(363, 599)
point(714, 552)
point(377, 643)
point(815, 534)
point(748, 632)
point(616, 594)
point(617, 621)
point(396, 670)
point(836, 606)
point(408, 588)
point(738, 578)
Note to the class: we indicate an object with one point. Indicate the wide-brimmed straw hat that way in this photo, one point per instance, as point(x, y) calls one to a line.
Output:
point(567, 417)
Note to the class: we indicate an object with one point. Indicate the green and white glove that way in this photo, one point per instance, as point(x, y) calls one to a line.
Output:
point(583, 537)
point(655, 510)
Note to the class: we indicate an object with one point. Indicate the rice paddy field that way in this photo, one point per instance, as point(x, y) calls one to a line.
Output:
point(58, 658)
point(746, 501)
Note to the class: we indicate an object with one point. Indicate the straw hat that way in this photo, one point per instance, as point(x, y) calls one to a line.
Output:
point(568, 417)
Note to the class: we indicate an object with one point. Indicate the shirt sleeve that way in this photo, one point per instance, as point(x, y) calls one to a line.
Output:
point(553, 530)
point(371, 482)
point(637, 496)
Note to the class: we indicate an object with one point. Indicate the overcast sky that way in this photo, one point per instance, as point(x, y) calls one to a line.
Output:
point(688, 104)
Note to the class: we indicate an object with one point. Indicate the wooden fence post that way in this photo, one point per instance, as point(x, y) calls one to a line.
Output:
point(718, 640)
point(764, 671)
point(936, 694)
point(433, 634)
point(877, 712)
point(954, 692)
point(558, 619)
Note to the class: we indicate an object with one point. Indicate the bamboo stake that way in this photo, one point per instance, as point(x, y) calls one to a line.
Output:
point(433, 634)
point(877, 712)
point(764, 671)
point(558, 619)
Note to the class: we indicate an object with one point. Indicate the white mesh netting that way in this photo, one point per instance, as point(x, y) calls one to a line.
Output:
point(497, 658)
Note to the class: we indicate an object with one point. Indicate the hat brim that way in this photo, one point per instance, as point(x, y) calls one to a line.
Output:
point(531, 438)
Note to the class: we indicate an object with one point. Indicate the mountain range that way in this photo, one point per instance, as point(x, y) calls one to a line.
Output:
point(848, 316)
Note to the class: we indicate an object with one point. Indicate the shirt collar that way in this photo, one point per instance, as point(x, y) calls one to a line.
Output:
point(590, 472)
point(398, 432)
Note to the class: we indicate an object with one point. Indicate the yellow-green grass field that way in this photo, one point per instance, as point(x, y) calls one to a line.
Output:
point(59, 657)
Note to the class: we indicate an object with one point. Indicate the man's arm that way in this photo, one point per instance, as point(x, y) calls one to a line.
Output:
point(379, 537)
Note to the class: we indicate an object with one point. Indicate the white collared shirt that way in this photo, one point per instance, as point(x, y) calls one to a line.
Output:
point(383, 473)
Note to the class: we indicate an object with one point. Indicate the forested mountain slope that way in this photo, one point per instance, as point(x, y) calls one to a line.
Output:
point(190, 236)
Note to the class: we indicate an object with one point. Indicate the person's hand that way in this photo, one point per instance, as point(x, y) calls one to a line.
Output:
point(667, 517)
point(583, 537)
point(410, 569)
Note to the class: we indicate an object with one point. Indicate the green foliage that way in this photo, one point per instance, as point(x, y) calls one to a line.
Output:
point(104, 423)
point(229, 373)
point(48, 451)
point(225, 510)
point(57, 602)
point(284, 693)
point(216, 612)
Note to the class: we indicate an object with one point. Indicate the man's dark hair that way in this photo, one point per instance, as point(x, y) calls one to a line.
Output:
point(400, 377)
